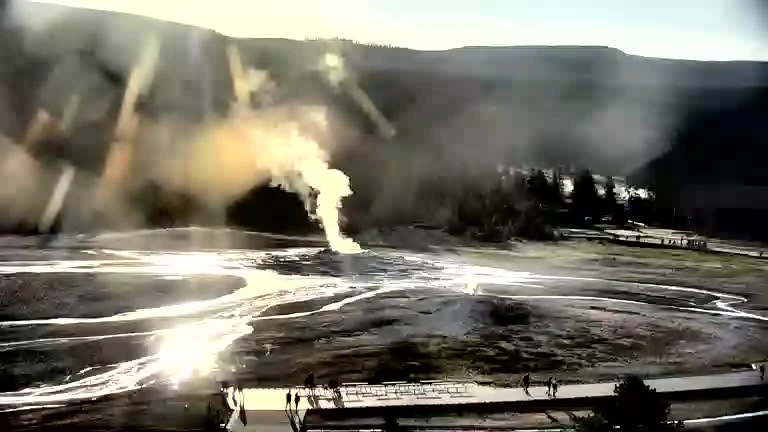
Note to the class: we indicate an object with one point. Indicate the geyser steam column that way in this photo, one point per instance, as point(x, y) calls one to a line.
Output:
point(311, 171)
point(287, 157)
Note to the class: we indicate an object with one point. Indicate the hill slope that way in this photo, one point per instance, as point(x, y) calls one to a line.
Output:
point(457, 112)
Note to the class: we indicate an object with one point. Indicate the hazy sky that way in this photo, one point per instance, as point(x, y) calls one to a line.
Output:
point(693, 29)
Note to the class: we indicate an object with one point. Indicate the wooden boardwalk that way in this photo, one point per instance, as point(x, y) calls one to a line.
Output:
point(447, 393)
point(266, 407)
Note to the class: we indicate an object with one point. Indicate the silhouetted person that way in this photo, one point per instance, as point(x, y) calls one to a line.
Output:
point(288, 399)
point(297, 398)
point(554, 387)
point(762, 372)
point(526, 382)
point(309, 381)
point(549, 385)
point(333, 385)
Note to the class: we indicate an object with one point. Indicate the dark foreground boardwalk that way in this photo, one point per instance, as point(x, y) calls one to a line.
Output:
point(400, 399)
point(431, 393)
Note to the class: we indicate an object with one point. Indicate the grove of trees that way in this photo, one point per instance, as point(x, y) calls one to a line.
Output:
point(532, 206)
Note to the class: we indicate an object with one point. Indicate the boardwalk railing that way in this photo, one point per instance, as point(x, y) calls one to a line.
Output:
point(457, 395)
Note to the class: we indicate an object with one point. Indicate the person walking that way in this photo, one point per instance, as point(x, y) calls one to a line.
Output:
point(296, 399)
point(309, 382)
point(554, 388)
point(333, 385)
point(288, 412)
point(549, 385)
point(526, 382)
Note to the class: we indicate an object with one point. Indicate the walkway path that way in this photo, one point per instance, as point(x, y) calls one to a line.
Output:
point(442, 393)
point(266, 409)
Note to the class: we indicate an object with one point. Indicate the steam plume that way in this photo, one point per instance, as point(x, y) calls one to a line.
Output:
point(278, 146)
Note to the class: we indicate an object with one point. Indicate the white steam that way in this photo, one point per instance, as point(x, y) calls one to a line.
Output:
point(301, 167)
point(216, 162)
point(278, 146)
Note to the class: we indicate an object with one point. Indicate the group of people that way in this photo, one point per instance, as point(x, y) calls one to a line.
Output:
point(297, 423)
point(551, 385)
point(310, 385)
point(296, 399)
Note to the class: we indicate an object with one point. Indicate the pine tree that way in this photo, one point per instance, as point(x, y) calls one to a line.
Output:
point(539, 188)
point(636, 407)
point(585, 202)
point(610, 198)
point(557, 187)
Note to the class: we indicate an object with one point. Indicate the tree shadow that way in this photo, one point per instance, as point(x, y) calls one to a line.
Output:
point(337, 400)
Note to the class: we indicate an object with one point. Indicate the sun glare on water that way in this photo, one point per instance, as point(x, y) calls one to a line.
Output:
point(191, 351)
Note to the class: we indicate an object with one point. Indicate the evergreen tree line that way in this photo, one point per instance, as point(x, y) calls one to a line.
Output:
point(533, 206)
